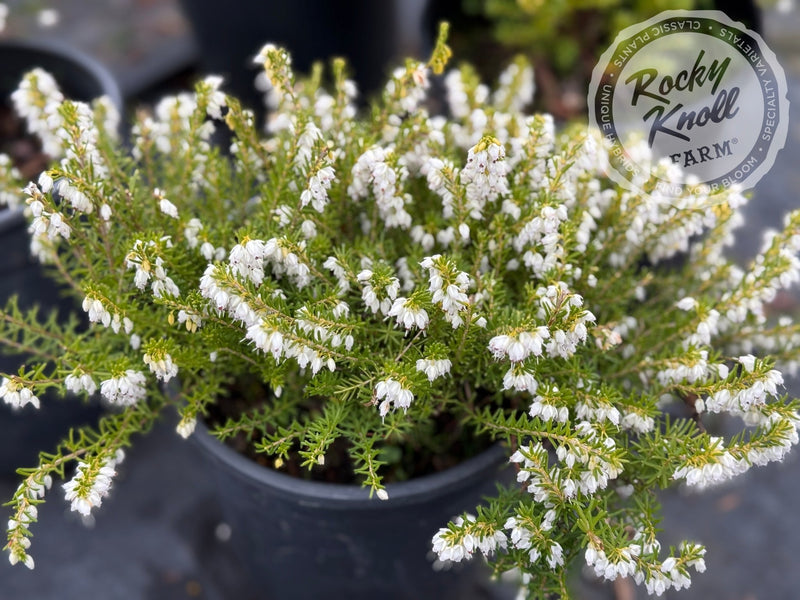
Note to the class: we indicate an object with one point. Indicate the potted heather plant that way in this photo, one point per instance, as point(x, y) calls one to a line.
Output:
point(358, 302)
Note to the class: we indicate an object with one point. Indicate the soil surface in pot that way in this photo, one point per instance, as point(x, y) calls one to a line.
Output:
point(24, 149)
point(453, 444)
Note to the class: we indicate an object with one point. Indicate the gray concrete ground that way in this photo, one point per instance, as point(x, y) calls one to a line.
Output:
point(155, 536)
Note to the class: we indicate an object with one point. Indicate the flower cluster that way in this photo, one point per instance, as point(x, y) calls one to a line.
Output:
point(531, 535)
point(657, 576)
point(161, 365)
point(374, 173)
point(36, 101)
point(448, 287)
point(434, 368)
point(150, 266)
point(465, 537)
point(91, 484)
point(379, 291)
point(398, 281)
point(390, 394)
point(16, 394)
point(409, 313)
point(30, 492)
point(79, 381)
point(95, 307)
point(125, 389)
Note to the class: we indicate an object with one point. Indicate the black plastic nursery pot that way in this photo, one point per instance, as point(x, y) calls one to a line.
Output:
point(80, 76)
point(362, 31)
point(302, 539)
point(25, 432)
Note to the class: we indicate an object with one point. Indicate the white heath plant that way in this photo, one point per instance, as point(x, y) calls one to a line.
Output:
point(360, 278)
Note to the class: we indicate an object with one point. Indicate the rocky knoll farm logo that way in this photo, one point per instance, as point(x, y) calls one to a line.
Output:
point(694, 90)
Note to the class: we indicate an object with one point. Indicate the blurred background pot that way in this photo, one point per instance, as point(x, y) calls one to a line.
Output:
point(366, 32)
point(302, 539)
point(25, 432)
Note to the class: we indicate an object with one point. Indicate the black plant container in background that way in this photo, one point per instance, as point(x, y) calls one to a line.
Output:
point(301, 539)
point(25, 432)
point(80, 76)
point(230, 34)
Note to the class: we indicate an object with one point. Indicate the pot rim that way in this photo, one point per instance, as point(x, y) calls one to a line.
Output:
point(413, 491)
point(108, 83)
